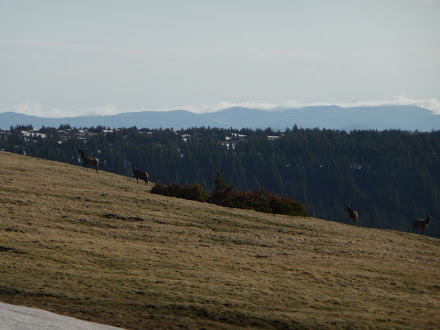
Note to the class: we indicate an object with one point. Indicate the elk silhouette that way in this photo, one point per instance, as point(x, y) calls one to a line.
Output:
point(352, 214)
point(421, 223)
point(89, 161)
point(140, 175)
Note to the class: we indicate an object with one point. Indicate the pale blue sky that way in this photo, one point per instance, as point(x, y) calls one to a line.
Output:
point(64, 58)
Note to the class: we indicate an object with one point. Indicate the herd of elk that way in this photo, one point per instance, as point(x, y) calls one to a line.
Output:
point(90, 161)
point(142, 175)
point(417, 223)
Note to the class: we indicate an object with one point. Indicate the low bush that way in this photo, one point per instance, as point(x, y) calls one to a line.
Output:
point(192, 192)
point(226, 195)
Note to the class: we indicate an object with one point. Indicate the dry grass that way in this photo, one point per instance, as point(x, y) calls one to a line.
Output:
point(101, 248)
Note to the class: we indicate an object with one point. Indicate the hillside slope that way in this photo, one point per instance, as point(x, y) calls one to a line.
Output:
point(101, 248)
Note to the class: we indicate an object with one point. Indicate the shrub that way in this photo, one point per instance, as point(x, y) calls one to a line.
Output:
point(226, 195)
point(193, 192)
point(159, 189)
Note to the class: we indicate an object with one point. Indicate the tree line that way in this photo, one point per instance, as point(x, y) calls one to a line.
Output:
point(390, 177)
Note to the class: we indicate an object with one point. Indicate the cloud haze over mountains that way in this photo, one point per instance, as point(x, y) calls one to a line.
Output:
point(111, 109)
point(330, 117)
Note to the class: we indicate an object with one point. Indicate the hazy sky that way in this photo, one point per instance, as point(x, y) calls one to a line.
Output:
point(66, 58)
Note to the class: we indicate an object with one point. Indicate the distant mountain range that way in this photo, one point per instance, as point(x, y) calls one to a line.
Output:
point(330, 117)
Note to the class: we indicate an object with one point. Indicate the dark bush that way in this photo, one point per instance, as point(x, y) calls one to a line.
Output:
point(159, 189)
point(193, 192)
point(226, 195)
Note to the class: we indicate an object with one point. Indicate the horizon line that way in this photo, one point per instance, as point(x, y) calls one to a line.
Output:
point(27, 108)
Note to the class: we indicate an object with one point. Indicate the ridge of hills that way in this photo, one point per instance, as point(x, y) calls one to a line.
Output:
point(329, 117)
point(101, 248)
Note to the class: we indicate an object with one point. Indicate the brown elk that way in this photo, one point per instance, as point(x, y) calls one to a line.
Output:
point(352, 214)
point(422, 223)
point(140, 175)
point(89, 161)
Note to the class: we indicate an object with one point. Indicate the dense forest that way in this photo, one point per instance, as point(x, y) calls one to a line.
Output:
point(390, 177)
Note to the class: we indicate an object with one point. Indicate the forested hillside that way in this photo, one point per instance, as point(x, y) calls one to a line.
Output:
point(390, 177)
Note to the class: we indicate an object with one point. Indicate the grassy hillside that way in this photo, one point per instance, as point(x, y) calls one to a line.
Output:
point(101, 248)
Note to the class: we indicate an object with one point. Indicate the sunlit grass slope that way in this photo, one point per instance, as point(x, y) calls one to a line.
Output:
point(100, 247)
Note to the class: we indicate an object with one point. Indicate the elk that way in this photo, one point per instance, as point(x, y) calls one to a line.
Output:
point(422, 223)
point(352, 214)
point(140, 175)
point(89, 160)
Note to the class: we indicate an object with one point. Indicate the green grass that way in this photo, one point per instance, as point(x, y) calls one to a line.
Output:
point(102, 248)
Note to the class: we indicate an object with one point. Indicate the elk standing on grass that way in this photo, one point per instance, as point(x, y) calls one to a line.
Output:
point(89, 160)
point(422, 223)
point(140, 175)
point(352, 213)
